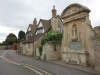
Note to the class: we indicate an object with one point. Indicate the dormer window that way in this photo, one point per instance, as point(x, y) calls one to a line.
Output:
point(28, 34)
point(40, 30)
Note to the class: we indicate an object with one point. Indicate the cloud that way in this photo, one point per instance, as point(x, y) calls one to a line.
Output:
point(16, 15)
point(4, 31)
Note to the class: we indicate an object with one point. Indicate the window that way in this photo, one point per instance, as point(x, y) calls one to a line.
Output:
point(28, 34)
point(40, 31)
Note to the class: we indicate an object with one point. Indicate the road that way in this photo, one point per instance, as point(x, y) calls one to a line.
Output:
point(49, 67)
point(7, 68)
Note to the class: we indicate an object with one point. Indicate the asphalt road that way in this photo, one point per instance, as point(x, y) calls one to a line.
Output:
point(7, 68)
point(52, 68)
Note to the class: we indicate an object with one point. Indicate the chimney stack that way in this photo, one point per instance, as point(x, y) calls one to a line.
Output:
point(35, 21)
point(53, 12)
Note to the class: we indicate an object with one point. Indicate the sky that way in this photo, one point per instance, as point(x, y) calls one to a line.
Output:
point(16, 15)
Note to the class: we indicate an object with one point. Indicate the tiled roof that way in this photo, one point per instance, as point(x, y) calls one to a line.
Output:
point(33, 38)
point(46, 24)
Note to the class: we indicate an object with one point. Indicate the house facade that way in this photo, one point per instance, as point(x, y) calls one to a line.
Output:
point(27, 45)
point(36, 32)
point(43, 27)
point(48, 52)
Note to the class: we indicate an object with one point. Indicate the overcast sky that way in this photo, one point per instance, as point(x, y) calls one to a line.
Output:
point(16, 15)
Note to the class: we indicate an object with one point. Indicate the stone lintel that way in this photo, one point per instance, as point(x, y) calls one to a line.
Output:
point(70, 19)
point(81, 52)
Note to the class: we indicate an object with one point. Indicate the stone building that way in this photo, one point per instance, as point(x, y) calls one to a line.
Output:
point(48, 50)
point(56, 22)
point(43, 28)
point(36, 32)
point(77, 43)
point(28, 42)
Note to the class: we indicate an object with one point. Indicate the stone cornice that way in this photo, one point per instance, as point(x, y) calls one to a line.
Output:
point(73, 9)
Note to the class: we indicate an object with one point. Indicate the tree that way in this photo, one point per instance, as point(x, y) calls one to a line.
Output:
point(10, 39)
point(0, 43)
point(3, 43)
point(21, 35)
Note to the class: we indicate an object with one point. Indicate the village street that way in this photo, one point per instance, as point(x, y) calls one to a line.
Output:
point(7, 68)
point(12, 63)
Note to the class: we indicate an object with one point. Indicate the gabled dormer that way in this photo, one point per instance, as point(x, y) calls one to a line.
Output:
point(43, 26)
point(40, 28)
point(31, 29)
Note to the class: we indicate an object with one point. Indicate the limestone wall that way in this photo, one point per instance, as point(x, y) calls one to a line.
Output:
point(50, 53)
point(37, 44)
point(28, 49)
point(4, 47)
point(97, 55)
point(54, 23)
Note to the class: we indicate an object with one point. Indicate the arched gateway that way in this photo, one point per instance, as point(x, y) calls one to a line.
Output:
point(77, 43)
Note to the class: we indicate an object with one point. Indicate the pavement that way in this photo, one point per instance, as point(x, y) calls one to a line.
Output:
point(51, 67)
point(79, 67)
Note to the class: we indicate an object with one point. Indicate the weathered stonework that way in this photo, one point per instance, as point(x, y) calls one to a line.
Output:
point(57, 24)
point(77, 43)
point(27, 49)
point(37, 45)
point(49, 53)
point(97, 55)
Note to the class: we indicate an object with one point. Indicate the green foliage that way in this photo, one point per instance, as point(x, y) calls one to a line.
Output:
point(21, 35)
point(3, 43)
point(53, 37)
point(0, 43)
point(10, 39)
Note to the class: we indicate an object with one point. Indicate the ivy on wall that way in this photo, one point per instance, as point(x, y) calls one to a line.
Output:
point(51, 37)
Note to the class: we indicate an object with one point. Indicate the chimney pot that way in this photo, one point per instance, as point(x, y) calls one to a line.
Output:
point(54, 11)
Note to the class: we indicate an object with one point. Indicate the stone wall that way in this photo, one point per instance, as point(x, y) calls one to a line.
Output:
point(5, 47)
point(50, 53)
point(37, 45)
point(97, 55)
point(28, 49)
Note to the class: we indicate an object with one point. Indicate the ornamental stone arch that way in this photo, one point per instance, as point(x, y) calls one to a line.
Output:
point(77, 47)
